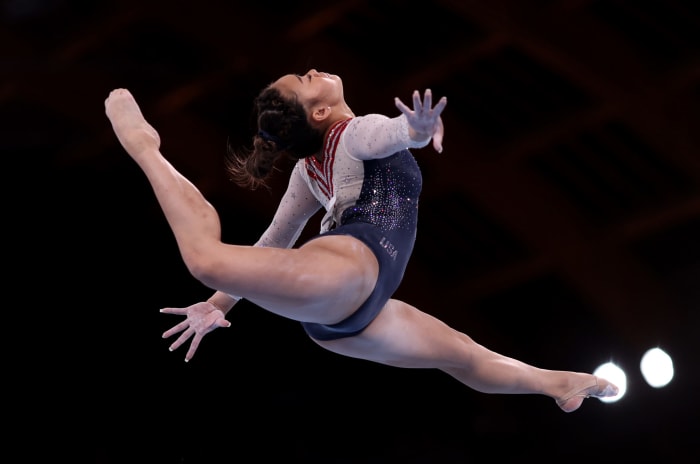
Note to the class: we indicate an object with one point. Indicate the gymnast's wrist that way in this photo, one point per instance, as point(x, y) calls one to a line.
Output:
point(217, 306)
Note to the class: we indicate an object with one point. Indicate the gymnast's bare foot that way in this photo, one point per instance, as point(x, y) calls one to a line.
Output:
point(131, 128)
point(592, 387)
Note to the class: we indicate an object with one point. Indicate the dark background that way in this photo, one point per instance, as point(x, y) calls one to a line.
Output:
point(560, 226)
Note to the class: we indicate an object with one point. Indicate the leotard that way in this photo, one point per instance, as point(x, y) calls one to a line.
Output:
point(369, 183)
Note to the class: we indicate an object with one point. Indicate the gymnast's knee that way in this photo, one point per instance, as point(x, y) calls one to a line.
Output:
point(202, 265)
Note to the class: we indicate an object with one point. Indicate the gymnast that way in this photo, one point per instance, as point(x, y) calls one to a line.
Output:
point(340, 283)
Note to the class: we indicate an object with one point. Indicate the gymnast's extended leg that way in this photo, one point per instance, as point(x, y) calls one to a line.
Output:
point(404, 336)
point(323, 281)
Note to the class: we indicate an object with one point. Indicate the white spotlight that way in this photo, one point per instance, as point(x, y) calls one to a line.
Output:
point(657, 367)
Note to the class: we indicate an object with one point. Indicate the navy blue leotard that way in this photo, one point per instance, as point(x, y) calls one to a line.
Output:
point(369, 183)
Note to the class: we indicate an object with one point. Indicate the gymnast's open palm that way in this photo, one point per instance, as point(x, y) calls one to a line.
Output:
point(202, 318)
point(424, 119)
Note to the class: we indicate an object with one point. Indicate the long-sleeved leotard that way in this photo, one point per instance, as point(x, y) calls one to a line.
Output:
point(369, 184)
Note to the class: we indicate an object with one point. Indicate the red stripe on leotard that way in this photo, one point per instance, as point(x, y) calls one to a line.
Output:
point(322, 171)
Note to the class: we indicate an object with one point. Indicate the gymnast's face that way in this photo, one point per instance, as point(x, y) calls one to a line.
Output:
point(312, 89)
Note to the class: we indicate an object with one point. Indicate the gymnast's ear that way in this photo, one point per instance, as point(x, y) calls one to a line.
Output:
point(321, 113)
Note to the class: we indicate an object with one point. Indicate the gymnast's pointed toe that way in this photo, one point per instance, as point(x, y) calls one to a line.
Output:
point(597, 388)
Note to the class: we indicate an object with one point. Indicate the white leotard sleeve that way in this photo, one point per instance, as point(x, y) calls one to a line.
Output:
point(367, 137)
point(378, 136)
point(296, 207)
